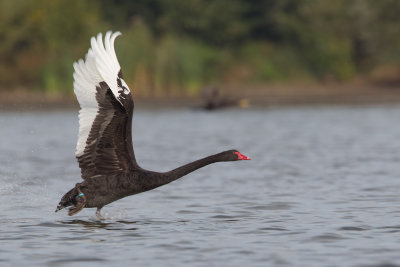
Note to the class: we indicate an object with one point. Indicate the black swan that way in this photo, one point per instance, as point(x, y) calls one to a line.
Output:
point(104, 150)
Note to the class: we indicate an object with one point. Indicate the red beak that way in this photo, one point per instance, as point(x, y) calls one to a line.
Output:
point(242, 157)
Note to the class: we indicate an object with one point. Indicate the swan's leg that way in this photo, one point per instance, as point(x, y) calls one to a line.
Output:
point(80, 201)
point(98, 214)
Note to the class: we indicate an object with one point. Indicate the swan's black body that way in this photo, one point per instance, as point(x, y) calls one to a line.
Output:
point(107, 160)
point(104, 189)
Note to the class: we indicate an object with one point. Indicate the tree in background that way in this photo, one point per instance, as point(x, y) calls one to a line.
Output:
point(175, 47)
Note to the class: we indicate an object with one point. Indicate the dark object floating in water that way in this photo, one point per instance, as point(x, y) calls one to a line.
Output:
point(104, 149)
point(215, 100)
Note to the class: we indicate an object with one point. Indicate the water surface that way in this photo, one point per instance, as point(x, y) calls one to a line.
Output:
point(322, 190)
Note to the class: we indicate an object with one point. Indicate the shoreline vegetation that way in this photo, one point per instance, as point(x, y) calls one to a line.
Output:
point(258, 96)
point(268, 51)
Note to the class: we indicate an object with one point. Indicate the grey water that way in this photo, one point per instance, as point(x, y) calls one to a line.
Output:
point(322, 189)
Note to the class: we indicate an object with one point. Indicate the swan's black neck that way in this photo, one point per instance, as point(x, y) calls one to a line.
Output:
point(160, 179)
point(190, 167)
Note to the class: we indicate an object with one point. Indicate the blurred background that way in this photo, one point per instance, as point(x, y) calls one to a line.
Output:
point(323, 183)
point(267, 50)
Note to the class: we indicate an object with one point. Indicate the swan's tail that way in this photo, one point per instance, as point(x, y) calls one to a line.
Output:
point(68, 199)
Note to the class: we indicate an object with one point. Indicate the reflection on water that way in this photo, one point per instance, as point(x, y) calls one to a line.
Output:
point(322, 190)
point(88, 224)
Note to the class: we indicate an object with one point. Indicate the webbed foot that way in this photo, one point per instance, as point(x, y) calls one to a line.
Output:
point(98, 214)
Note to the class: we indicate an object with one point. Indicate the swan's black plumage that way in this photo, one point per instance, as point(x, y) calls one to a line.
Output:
point(109, 145)
point(107, 160)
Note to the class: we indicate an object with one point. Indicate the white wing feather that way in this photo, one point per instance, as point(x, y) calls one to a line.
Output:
point(101, 64)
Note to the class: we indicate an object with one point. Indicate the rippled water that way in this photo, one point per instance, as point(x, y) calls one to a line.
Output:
point(322, 190)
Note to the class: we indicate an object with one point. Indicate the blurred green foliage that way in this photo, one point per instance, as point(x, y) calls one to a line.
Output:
point(174, 47)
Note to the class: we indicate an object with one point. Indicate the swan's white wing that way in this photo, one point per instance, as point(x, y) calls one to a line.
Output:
point(104, 142)
point(107, 63)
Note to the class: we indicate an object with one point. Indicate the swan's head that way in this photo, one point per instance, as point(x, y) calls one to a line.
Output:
point(231, 155)
point(240, 156)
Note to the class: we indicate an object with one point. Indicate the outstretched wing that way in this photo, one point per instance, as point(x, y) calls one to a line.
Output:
point(105, 119)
